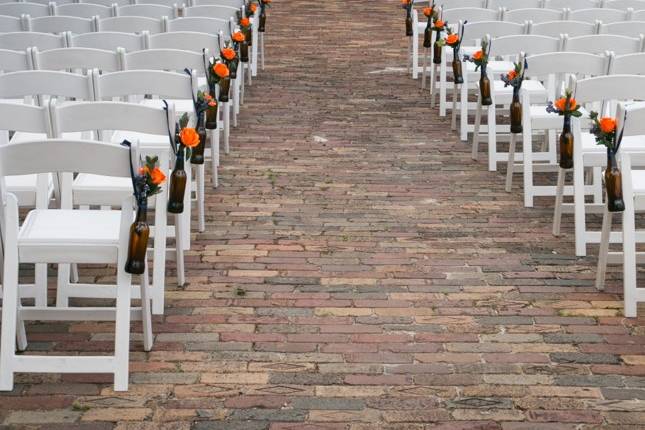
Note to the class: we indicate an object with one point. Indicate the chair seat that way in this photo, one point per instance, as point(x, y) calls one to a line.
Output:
point(181, 105)
point(69, 236)
point(91, 189)
point(638, 182)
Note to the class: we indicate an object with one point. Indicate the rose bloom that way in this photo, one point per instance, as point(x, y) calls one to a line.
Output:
point(452, 39)
point(157, 176)
point(238, 36)
point(607, 125)
point(228, 53)
point(439, 23)
point(478, 55)
point(189, 137)
point(560, 104)
point(244, 22)
point(221, 70)
point(427, 11)
point(212, 103)
point(253, 7)
point(512, 75)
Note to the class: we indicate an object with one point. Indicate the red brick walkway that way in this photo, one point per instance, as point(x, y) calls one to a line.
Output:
point(359, 272)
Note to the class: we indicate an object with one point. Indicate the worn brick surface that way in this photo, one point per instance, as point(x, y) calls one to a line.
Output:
point(359, 271)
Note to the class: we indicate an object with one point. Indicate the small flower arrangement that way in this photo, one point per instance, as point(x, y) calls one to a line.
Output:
point(407, 5)
point(245, 23)
point(479, 58)
point(251, 8)
point(566, 105)
point(428, 12)
point(238, 37)
point(438, 24)
point(150, 177)
point(515, 76)
point(604, 130)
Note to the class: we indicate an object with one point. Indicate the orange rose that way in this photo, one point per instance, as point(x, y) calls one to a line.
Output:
point(212, 103)
point(478, 55)
point(452, 39)
point(405, 2)
point(228, 53)
point(238, 36)
point(157, 176)
point(244, 22)
point(221, 70)
point(427, 11)
point(561, 104)
point(512, 75)
point(607, 125)
point(189, 137)
point(208, 97)
point(439, 23)
point(253, 7)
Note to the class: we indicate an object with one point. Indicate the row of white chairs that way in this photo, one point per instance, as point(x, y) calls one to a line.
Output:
point(540, 4)
point(171, 3)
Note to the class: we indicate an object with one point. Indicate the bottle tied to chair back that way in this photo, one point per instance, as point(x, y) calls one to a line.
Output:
point(407, 5)
point(438, 25)
point(480, 59)
point(484, 87)
point(178, 179)
point(428, 12)
point(614, 184)
point(263, 15)
point(516, 112)
point(566, 144)
point(197, 153)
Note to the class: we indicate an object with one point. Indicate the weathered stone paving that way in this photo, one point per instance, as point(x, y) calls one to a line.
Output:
point(359, 272)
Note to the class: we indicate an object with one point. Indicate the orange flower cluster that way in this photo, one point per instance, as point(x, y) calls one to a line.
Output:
point(427, 11)
point(210, 100)
point(439, 23)
point(244, 22)
point(156, 175)
point(452, 39)
point(189, 137)
point(478, 55)
point(238, 36)
point(253, 7)
point(561, 104)
point(607, 124)
point(512, 75)
point(221, 70)
point(228, 53)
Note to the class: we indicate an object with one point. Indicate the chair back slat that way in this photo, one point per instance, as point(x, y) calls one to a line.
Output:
point(592, 15)
point(155, 11)
point(13, 61)
point(221, 12)
point(632, 64)
point(534, 15)
point(20, 41)
point(611, 87)
point(624, 28)
point(84, 10)
point(141, 82)
point(529, 43)
point(109, 41)
point(199, 24)
point(25, 118)
point(571, 28)
point(18, 9)
point(186, 40)
point(76, 58)
point(599, 43)
point(10, 24)
point(61, 24)
point(46, 82)
point(165, 59)
point(132, 24)
point(474, 31)
point(471, 14)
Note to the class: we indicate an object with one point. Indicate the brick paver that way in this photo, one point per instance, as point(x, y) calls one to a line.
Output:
point(359, 272)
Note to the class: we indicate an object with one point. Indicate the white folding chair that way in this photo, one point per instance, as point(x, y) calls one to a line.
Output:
point(629, 64)
point(571, 4)
point(170, 3)
point(587, 154)
point(552, 69)
point(515, 4)
point(18, 9)
point(109, 41)
point(625, 4)
point(598, 43)
point(638, 15)
point(82, 59)
point(632, 165)
point(155, 11)
point(67, 236)
point(9, 24)
point(624, 28)
point(103, 2)
point(239, 3)
point(133, 24)
point(13, 61)
point(60, 24)
point(20, 41)
point(533, 15)
point(83, 10)
point(604, 15)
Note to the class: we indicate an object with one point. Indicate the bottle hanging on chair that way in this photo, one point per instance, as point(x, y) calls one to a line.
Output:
point(138, 242)
point(614, 184)
point(484, 87)
point(516, 112)
point(197, 153)
point(566, 144)
point(177, 184)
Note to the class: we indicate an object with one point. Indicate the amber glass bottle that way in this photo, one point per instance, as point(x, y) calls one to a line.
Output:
point(197, 153)
point(232, 67)
point(566, 144)
point(408, 25)
point(484, 87)
point(177, 184)
point(211, 117)
point(457, 76)
point(614, 184)
point(263, 20)
point(244, 51)
point(436, 54)
point(516, 112)
point(248, 35)
point(427, 38)
point(138, 243)
point(224, 87)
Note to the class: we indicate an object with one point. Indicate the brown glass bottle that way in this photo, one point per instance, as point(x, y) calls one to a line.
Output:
point(427, 38)
point(211, 117)
point(484, 88)
point(224, 87)
point(138, 243)
point(457, 76)
point(408, 25)
point(516, 112)
point(248, 35)
point(263, 20)
point(232, 67)
point(244, 51)
point(177, 184)
point(197, 153)
point(566, 144)
point(614, 184)
point(436, 54)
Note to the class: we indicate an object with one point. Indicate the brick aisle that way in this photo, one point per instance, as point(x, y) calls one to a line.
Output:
point(359, 272)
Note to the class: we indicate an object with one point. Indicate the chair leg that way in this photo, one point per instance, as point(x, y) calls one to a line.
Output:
point(179, 246)
point(146, 312)
point(200, 174)
point(215, 156)
point(478, 120)
point(41, 284)
point(511, 163)
point(262, 50)
point(453, 121)
point(629, 260)
point(21, 335)
point(433, 85)
point(122, 329)
point(463, 111)
point(63, 285)
point(9, 320)
point(559, 191)
point(236, 101)
point(492, 138)
point(424, 72)
point(597, 184)
point(527, 151)
point(249, 73)
point(442, 85)
point(227, 119)
point(74, 273)
point(579, 210)
point(603, 254)
point(242, 83)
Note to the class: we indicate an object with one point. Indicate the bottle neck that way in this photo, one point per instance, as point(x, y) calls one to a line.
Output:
point(142, 211)
point(179, 160)
point(567, 123)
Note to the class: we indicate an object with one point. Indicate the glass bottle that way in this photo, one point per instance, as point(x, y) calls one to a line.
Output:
point(197, 153)
point(138, 243)
point(427, 38)
point(408, 25)
point(436, 55)
point(211, 117)
point(244, 51)
point(614, 184)
point(248, 35)
point(224, 87)
point(263, 20)
point(516, 112)
point(177, 184)
point(484, 87)
point(457, 76)
point(566, 144)
point(232, 67)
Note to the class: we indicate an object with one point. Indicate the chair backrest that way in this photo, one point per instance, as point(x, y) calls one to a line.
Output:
point(25, 118)
point(10, 24)
point(239, 3)
point(610, 87)
point(599, 43)
point(474, 31)
point(630, 119)
point(515, 4)
point(571, 28)
point(199, 24)
point(141, 82)
point(529, 43)
point(61, 24)
point(109, 40)
point(90, 116)
point(185, 40)
point(76, 58)
point(46, 83)
point(84, 10)
point(209, 11)
point(13, 61)
point(132, 24)
point(571, 4)
point(625, 28)
point(638, 15)
point(165, 59)
point(18, 9)
point(625, 4)
point(471, 14)
point(533, 14)
point(155, 11)
point(20, 41)
point(632, 64)
point(593, 15)
point(104, 2)
point(170, 3)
